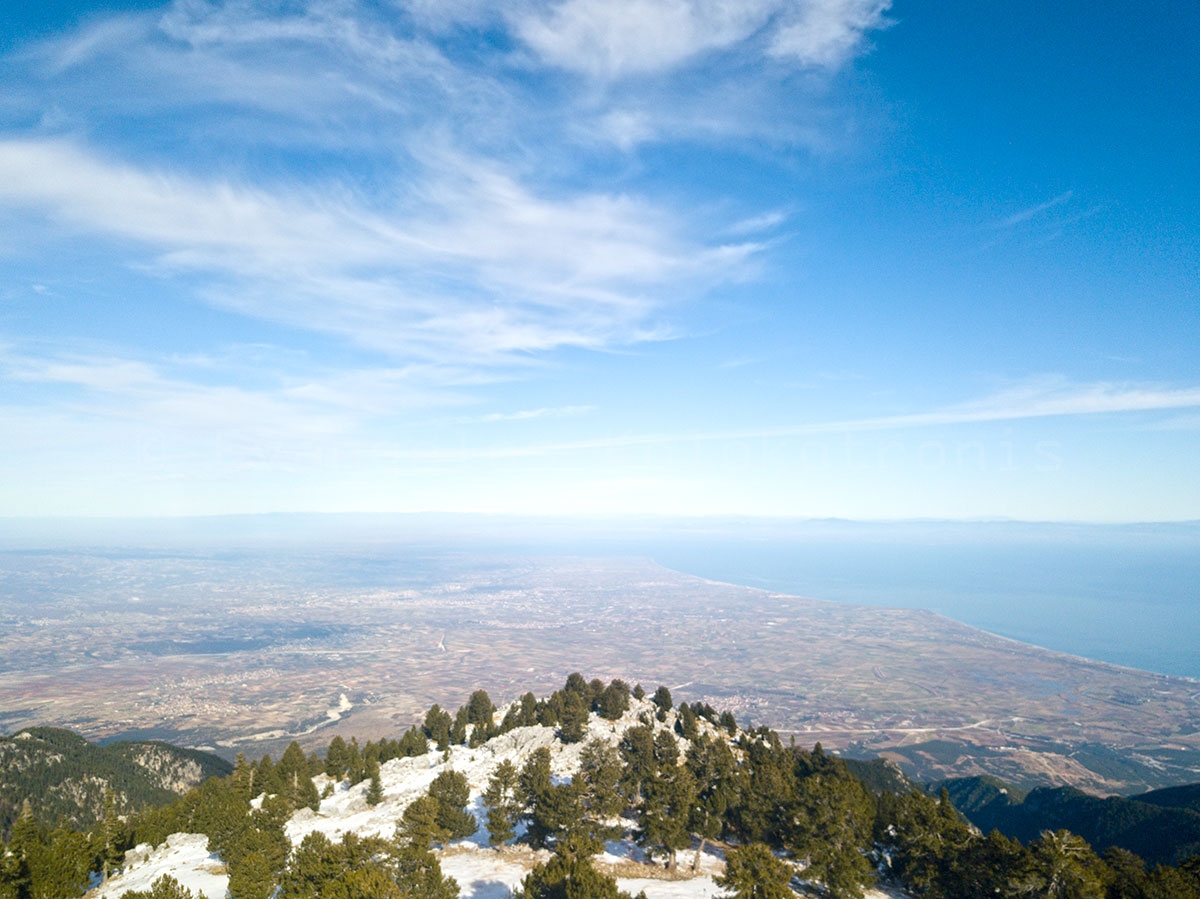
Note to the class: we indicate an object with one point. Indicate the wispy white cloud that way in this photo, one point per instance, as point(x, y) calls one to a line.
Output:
point(471, 260)
point(444, 212)
point(99, 39)
point(613, 38)
point(543, 412)
point(616, 38)
point(757, 224)
point(740, 362)
point(1038, 398)
point(1043, 398)
point(273, 411)
point(826, 33)
point(1032, 212)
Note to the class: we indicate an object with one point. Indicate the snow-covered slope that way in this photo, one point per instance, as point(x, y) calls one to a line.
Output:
point(481, 871)
point(184, 856)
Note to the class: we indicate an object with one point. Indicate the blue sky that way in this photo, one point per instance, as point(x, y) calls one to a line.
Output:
point(780, 257)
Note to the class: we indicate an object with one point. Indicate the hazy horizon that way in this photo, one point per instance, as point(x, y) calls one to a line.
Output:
point(1119, 593)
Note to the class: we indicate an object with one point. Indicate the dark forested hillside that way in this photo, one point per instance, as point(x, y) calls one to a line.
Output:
point(63, 776)
point(1186, 797)
point(1157, 831)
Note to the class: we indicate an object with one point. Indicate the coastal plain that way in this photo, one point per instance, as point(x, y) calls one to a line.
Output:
point(245, 651)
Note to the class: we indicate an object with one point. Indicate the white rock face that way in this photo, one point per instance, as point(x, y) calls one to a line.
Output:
point(174, 773)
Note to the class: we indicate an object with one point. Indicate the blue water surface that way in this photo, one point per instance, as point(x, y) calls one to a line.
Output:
point(1126, 597)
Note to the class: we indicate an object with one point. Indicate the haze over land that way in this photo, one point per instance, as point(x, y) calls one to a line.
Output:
point(246, 644)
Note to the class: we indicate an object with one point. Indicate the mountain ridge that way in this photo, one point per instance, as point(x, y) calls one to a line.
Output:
point(64, 776)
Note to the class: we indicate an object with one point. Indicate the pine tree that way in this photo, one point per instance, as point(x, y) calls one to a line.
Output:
point(419, 824)
point(600, 773)
point(223, 814)
point(316, 764)
point(336, 758)
point(529, 711)
point(21, 858)
point(753, 872)
point(569, 874)
point(375, 789)
point(666, 751)
point(243, 778)
point(534, 778)
point(1127, 877)
point(356, 768)
point(637, 751)
point(1067, 867)
point(662, 699)
point(832, 817)
point(371, 881)
point(298, 785)
point(451, 791)
point(63, 864)
point(713, 766)
point(111, 831)
point(557, 812)
point(413, 743)
point(503, 803)
point(437, 727)
point(614, 701)
point(595, 691)
point(685, 724)
point(419, 875)
point(266, 778)
point(573, 717)
point(766, 788)
point(665, 818)
point(458, 730)
point(923, 836)
point(314, 863)
point(991, 866)
point(578, 685)
point(252, 877)
point(480, 710)
point(1170, 883)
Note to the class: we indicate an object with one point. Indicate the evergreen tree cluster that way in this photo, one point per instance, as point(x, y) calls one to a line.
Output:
point(347, 761)
point(362, 868)
point(566, 709)
point(787, 812)
point(931, 850)
point(679, 778)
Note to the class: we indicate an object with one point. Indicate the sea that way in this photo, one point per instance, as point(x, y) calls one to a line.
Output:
point(1129, 596)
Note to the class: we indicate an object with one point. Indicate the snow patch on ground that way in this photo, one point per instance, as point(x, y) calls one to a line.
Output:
point(184, 856)
point(696, 888)
point(486, 873)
